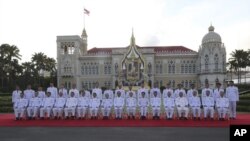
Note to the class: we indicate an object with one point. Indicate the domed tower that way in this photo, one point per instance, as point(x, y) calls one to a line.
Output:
point(211, 59)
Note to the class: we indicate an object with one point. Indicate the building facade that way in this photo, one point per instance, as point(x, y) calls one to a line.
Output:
point(135, 64)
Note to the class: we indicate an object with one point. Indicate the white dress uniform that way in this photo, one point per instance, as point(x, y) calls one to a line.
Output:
point(47, 106)
point(34, 106)
point(29, 93)
point(143, 104)
point(177, 93)
point(59, 105)
point(70, 106)
point(222, 104)
point(87, 94)
point(153, 90)
point(121, 91)
point(190, 94)
point(156, 105)
point(131, 105)
point(203, 93)
point(41, 94)
point(20, 107)
point(232, 93)
point(118, 105)
point(128, 92)
point(94, 106)
point(82, 106)
point(208, 106)
point(106, 106)
point(169, 106)
point(76, 92)
point(64, 92)
point(16, 95)
point(165, 92)
point(110, 93)
point(139, 95)
point(98, 92)
point(195, 104)
point(53, 91)
point(182, 106)
point(216, 93)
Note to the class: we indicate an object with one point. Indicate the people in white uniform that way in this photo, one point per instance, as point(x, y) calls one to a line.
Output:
point(167, 90)
point(169, 105)
point(74, 90)
point(131, 105)
point(204, 90)
point(195, 104)
point(118, 105)
point(63, 90)
point(190, 92)
point(20, 107)
point(121, 90)
point(47, 105)
point(181, 103)
point(59, 106)
point(29, 93)
point(16, 94)
point(109, 92)
point(34, 106)
point(70, 106)
point(216, 92)
point(130, 91)
point(41, 93)
point(142, 90)
point(94, 106)
point(222, 104)
point(179, 90)
point(98, 91)
point(232, 93)
point(52, 90)
point(143, 104)
point(208, 105)
point(83, 104)
point(106, 106)
point(156, 105)
point(155, 89)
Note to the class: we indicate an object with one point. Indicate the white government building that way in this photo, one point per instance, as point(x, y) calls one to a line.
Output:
point(134, 64)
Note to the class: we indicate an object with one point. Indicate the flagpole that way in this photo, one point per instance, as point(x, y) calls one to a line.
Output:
point(83, 18)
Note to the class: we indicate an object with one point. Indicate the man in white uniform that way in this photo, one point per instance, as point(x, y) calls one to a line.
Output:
point(143, 105)
point(34, 106)
point(47, 105)
point(156, 105)
point(20, 107)
point(195, 104)
point(109, 92)
point(63, 90)
point(179, 90)
point(70, 106)
point(222, 104)
point(181, 103)
point(83, 104)
point(16, 94)
point(41, 93)
point(94, 106)
point(106, 105)
point(208, 105)
point(232, 93)
point(169, 105)
point(118, 105)
point(142, 90)
point(130, 91)
point(59, 106)
point(121, 90)
point(216, 93)
point(52, 90)
point(155, 89)
point(167, 90)
point(204, 90)
point(190, 92)
point(131, 105)
point(74, 90)
point(29, 93)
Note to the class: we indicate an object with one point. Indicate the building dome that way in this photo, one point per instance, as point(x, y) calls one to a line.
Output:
point(211, 36)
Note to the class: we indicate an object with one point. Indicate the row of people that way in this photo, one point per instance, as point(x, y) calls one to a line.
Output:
point(38, 107)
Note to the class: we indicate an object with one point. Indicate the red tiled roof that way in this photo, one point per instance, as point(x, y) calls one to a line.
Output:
point(156, 49)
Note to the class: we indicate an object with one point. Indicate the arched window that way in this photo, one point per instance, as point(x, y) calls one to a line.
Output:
point(182, 68)
point(149, 68)
point(105, 69)
point(96, 69)
point(86, 70)
point(109, 69)
point(186, 68)
point(190, 68)
point(194, 69)
point(82, 70)
point(157, 68)
point(216, 62)
point(206, 62)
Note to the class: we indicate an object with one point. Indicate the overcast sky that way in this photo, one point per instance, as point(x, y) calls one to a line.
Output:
point(32, 25)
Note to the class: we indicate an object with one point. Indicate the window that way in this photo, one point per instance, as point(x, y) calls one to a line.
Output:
point(160, 68)
point(194, 69)
point(190, 68)
point(186, 68)
point(109, 69)
point(182, 68)
point(171, 67)
point(206, 62)
point(157, 68)
point(216, 62)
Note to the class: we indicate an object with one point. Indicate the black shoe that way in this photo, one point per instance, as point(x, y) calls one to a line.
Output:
point(205, 118)
point(128, 117)
point(67, 117)
point(194, 118)
point(212, 119)
point(185, 118)
point(17, 118)
point(133, 117)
